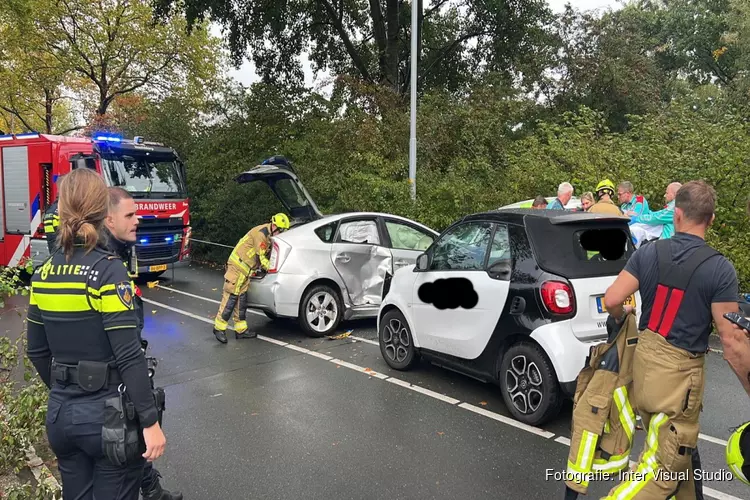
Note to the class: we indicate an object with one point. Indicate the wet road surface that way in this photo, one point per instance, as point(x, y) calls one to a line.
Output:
point(285, 416)
point(288, 416)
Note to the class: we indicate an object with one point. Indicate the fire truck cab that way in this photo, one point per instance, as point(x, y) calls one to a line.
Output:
point(31, 163)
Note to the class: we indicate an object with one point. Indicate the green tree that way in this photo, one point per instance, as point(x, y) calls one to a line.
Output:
point(371, 39)
point(115, 47)
point(32, 95)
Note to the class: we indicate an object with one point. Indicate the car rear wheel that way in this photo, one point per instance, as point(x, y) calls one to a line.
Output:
point(529, 384)
point(320, 311)
point(396, 342)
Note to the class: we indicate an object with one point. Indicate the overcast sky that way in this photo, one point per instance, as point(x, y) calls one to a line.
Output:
point(246, 74)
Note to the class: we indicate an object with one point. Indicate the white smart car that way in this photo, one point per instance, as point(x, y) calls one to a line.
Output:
point(512, 297)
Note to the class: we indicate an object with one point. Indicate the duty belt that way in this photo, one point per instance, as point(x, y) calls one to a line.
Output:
point(88, 375)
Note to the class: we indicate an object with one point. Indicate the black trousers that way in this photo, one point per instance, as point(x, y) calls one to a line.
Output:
point(74, 429)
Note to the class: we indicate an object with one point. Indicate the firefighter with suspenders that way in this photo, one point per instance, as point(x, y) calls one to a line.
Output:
point(684, 285)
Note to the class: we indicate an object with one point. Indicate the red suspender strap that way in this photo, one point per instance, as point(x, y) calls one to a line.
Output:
point(673, 281)
point(658, 307)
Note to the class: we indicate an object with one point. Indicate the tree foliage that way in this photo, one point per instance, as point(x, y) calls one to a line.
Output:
point(97, 52)
point(371, 39)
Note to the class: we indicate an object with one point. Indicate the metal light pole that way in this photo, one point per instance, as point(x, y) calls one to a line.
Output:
point(413, 125)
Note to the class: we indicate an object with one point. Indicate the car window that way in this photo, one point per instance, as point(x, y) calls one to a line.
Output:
point(405, 237)
point(500, 249)
point(462, 248)
point(326, 233)
point(359, 231)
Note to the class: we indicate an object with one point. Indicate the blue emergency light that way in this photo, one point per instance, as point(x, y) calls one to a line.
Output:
point(144, 241)
point(103, 136)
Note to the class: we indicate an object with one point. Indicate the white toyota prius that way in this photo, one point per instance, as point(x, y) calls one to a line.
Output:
point(512, 297)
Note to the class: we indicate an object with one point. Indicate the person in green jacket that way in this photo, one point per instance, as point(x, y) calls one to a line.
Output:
point(664, 216)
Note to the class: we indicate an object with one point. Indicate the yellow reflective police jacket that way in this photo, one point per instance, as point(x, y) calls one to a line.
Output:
point(603, 419)
point(82, 310)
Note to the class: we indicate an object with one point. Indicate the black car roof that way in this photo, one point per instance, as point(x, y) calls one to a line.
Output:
point(517, 215)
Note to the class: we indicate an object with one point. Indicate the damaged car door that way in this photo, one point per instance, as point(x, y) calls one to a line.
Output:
point(361, 260)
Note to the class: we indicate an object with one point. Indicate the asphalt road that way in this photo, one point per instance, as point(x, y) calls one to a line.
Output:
point(285, 416)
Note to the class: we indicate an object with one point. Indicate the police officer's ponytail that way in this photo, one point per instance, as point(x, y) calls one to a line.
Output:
point(83, 205)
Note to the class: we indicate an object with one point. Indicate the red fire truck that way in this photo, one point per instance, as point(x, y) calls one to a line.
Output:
point(30, 163)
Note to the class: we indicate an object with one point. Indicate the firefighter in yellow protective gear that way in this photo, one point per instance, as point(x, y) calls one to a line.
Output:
point(738, 453)
point(605, 190)
point(685, 287)
point(250, 253)
point(603, 419)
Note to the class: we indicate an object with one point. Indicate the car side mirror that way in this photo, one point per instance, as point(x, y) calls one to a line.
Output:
point(422, 262)
point(500, 270)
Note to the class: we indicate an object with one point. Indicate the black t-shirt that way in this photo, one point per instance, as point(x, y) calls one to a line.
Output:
point(714, 281)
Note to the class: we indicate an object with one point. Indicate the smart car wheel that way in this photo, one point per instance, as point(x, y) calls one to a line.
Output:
point(529, 384)
point(396, 342)
point(320, 311)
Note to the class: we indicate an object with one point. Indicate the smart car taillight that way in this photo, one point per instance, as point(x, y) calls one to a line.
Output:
point(558, 297)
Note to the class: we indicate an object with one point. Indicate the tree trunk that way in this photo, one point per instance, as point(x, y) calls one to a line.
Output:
point(48, 102)
point(390, 71)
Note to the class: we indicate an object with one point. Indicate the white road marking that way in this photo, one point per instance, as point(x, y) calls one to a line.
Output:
point(253, 311)
point(297, 348)
point(509, 421)
point(563, 440)
point(710, 492)
point(354, 367)
point(368, 341)
point(436, 395)
point(186, 313)
point(400, 382)
point(271, 340)
point(712, 439)
point(396, 381)
point(320, 355)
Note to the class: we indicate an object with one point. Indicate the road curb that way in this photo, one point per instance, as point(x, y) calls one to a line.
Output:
point(41, 472)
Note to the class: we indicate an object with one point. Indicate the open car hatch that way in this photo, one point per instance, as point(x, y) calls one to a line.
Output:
point(287, 188)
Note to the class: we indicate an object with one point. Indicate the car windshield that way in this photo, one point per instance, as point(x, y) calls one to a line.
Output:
point(145, 177)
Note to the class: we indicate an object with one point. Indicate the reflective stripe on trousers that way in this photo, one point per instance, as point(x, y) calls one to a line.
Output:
point(616, 463)
point(585, 461)
point(648, 466)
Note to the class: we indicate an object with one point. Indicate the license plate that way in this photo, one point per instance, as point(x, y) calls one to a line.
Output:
point(160, 267)
point(630, 301)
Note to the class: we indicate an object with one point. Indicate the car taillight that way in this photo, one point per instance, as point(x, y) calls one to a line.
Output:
point(558, 297)
point(273, 264)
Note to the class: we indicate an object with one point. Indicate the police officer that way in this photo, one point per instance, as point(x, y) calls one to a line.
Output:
point(120, 228)
point(83, 342)
point(684, 284)
point(51, 221)
point(249, 254)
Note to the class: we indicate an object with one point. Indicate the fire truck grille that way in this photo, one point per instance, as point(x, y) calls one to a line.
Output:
point(162, 254)
point(156, 246)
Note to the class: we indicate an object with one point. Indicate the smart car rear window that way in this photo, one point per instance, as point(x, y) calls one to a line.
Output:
point(584, 249)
